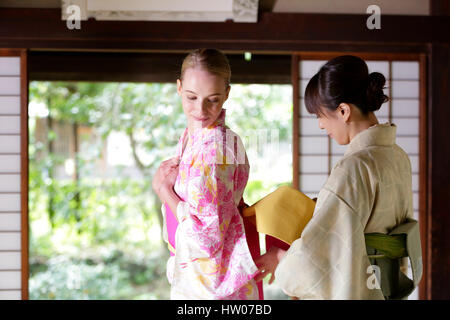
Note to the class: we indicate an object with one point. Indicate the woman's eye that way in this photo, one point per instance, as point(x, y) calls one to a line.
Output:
point(214, 101)
point(192, 98)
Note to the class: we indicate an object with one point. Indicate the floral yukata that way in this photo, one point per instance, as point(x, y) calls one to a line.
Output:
point(210, 256)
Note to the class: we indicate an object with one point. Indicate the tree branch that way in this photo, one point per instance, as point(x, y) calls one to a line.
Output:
point(142, 167)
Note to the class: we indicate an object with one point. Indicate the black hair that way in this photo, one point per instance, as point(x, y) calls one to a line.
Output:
point(345, 79)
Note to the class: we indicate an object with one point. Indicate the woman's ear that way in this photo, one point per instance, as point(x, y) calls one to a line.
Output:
point(344, 112)
point(179, 86)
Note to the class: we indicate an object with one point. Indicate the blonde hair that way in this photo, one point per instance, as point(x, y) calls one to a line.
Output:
point(211, 60)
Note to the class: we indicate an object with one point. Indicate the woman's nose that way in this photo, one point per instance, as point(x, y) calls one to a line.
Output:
point(204, 106)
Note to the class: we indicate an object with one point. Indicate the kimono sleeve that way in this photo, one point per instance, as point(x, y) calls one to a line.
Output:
point(329, 261)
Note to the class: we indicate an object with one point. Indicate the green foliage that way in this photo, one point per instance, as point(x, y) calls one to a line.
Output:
point(257, 107)
point(109, 274)
point(66, 280)
point(99, 238)
point(257, 189)
point(150, 114)
point(69, 101)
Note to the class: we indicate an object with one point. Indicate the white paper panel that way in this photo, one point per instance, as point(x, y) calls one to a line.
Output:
point(405, 70)
point(313, 145)
point(9, 182)
point(10, 241)
point(10, 279)
point(414, 164)
point(302, 87)
point(336, 148)
point(416, 200)
point(9, 202)
point(416, 216)
point(9, 105)
point(10, 260)
point(9, 85)
point(9, 66)
point(316, 164)
point(9, 163)
point(415, 182)
point(405, 108)
point(405, 89)
point(312, 182)
point(9, 124)
point(383, 111)
point(10, 295)
point(406, 126)
point(383, 119)
point(9, 144)
point(308, 68)
point(379, 66)
point(9, 222)
point(310, 126)
point(409, 144)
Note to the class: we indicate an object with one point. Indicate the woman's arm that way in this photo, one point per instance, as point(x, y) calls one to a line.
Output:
point(168, 196)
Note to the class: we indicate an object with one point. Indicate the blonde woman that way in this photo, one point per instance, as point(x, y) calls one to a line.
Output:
point(201, 189)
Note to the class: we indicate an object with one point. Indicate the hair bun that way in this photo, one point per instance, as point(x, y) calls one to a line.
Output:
point(375, 94)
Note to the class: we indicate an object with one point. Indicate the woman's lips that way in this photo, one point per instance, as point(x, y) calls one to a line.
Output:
point(199, 119)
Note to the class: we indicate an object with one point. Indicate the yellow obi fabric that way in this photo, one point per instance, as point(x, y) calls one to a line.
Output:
point(282, 214)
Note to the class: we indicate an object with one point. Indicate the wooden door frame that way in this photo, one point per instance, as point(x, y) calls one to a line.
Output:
point(24, 165)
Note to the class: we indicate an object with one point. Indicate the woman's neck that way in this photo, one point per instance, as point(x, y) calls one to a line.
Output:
point(193, 127)
point(362, 124)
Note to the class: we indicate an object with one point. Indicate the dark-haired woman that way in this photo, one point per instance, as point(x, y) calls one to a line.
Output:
point(368, 190)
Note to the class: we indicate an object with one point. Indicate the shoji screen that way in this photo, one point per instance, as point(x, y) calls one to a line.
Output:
point(12, 247)
point(318, 153)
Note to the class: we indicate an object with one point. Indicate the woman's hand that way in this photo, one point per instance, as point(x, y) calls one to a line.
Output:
point(268, 262)
point(170, 179)
point(165, 175)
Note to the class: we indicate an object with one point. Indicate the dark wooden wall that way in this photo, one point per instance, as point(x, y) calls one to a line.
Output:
point(41, 31)
point(148, 67)
point(438, 276)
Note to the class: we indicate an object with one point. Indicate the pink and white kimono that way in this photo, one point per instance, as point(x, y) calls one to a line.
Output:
point(210, 256)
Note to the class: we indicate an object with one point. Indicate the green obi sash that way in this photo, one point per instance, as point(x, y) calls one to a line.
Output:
point(386, 252)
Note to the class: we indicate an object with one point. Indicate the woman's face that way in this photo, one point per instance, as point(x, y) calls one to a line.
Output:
point(334, 122)
point(202, 96)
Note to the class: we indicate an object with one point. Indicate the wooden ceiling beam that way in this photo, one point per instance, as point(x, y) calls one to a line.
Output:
point(276, 32)
point(148, 67)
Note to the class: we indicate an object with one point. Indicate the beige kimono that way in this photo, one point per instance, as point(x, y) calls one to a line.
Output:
point(369, 190)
